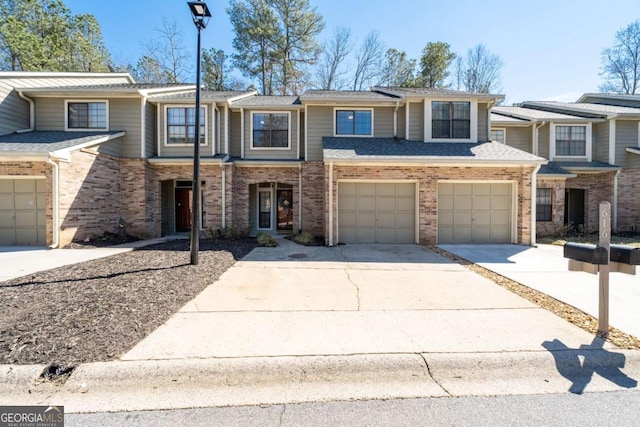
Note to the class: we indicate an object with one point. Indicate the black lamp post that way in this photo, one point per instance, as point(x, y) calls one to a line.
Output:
point(201, 15)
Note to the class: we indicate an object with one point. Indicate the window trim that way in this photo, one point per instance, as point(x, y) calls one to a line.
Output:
point(504, 130)
point(588, 141)
point(335, 122)
point(428, 120)
point(289, 126)
point(550, 205)
point(166, 125)
point(85, 101)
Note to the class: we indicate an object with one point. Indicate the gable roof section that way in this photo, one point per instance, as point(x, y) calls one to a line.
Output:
point(389, 150)
point(586, 110)
point(205, 95)
point(621, 99)
point(51, 143)
point(268, 101)
point(347, 96)
point(417, 92)
point(23, 79)
point(537, 115)
point(506, 120)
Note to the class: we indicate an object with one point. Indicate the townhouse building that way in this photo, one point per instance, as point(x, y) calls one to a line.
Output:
point(85, 153)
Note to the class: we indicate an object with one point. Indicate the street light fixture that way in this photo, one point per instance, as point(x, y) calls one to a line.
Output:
point(201, 15)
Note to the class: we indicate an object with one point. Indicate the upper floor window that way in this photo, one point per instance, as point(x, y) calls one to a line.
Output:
point(354, 122)
point(498, 135)
point(181, 125)
point(87, 115)
point(451, 120)
point(270, 130)
point(571, 140)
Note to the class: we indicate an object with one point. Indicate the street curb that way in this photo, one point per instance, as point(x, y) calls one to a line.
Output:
point(188, 383)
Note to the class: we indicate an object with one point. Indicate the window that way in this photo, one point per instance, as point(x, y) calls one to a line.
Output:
point(270, 130)
point(498, 135)
point(543, 204)
point(571, 140)
point(354, 122)
point(181, 125)
point(451, 120)
point(87, 115)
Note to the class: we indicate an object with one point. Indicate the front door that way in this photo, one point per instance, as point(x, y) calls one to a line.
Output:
point(183, 209)
point(285, 209)
point(574, 208)
point(264, 209)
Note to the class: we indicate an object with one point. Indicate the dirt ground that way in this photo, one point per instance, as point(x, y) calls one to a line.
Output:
point(98, 310)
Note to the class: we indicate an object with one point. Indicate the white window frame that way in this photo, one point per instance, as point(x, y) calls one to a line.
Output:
point(85, 101)
point(335, 122)
point(504, 133)
point(473, 120)
point(588, 141)
point(289, 129)
point(166, 125)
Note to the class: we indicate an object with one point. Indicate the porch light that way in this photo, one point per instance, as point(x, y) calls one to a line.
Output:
point(201, 15)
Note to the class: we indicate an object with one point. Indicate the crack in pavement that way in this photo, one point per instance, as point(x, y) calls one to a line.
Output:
point(426, 364)
point(284, 408)
point(355, 286)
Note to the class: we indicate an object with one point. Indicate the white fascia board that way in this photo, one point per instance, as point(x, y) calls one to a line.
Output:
point(241, 96)
point(430, 162)
point(266, 163)
point(555, 176)
point(182, 161)
point(12, 156)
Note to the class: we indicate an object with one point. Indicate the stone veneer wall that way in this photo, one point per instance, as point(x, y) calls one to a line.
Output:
point(21, 169)
point(629, 200)
point(428, 178)
point(89, 196)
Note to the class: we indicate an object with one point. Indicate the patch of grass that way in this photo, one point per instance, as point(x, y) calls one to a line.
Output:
point(266, 240)
point(591, 239)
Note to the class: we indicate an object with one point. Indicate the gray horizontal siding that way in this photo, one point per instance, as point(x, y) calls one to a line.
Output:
point(234, 137)
point(543, 141)
point(150, 130)
point(319, 124)
point(125, 114)
point(383, 122)
point(49, 114)
point(416, 121)
point(402, 114)
point(626, 136)
point(519, 137)
point(483, 117)
point(14, 114)
point(600, 142)
point(291, 153)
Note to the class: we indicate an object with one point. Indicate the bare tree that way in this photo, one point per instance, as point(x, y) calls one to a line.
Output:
point(330, 73)
point(621, 62)
point(168, 52)
point(479, 71)
point(369, 58)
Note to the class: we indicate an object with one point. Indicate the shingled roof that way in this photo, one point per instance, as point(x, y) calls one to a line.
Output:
point(51, 141)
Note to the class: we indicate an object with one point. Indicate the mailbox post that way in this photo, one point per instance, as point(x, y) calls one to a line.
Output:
point(603, 277)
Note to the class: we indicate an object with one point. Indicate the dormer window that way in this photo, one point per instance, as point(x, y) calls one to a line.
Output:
point(451, 120)
point(83, 115)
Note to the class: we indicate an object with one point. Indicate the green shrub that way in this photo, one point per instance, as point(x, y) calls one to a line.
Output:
point(266, 240)
point(229, 233)
point(305, 238)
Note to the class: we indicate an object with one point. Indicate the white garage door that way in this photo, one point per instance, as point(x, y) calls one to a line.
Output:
point(474, 212)
point(376, 212)
point(22, 212)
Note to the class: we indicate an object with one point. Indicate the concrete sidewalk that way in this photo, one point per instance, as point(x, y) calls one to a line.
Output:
point(297, 324)
point(545, 269)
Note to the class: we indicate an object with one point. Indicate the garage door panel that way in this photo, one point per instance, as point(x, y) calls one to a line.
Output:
point(7, 237)
point(376, 212)
point(22, 211)
point(26, 236)
point(41, 201)
point(27, 219)
point(6, 219)
point(6, 186)
point(475, 213)
point(6, 201)
point(25, 185)
point(25, 201)
point(41, 218)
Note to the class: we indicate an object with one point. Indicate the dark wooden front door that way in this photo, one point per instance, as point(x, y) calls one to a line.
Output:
point(285, 209)
point(183, 209)
point(574, 207)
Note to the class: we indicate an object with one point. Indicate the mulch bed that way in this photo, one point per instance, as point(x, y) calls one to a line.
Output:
point(98, 310)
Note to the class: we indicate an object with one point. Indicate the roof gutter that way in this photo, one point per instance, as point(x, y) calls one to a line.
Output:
point(56, 202)
point(536, 128)
point(32, 113)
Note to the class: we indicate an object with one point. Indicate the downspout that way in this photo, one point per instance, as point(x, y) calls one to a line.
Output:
point(32, 114)
point(242, 133)
point(158, 129)
point(534, 185)
point(300, 196)
point(224, 190)
point(614, 209)
point(534, 138)
point(226, 129)
point(56, 203)
point(395, 120)
point(330, 204)
point(407, 136)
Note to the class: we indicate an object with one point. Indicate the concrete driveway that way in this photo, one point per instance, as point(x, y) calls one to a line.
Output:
point(545, 269)
point(299, 301)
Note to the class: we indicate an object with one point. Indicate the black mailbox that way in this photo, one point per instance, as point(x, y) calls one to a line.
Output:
point(591, 254)
point(625, 254)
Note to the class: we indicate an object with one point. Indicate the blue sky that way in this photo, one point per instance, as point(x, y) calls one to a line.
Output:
point(551, 49)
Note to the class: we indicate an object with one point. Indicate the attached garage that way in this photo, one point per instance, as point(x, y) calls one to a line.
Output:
point(22, 212)
point(475, 212)
point(377, 212)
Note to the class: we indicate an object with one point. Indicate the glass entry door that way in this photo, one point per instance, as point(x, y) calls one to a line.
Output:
point(264, 209)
